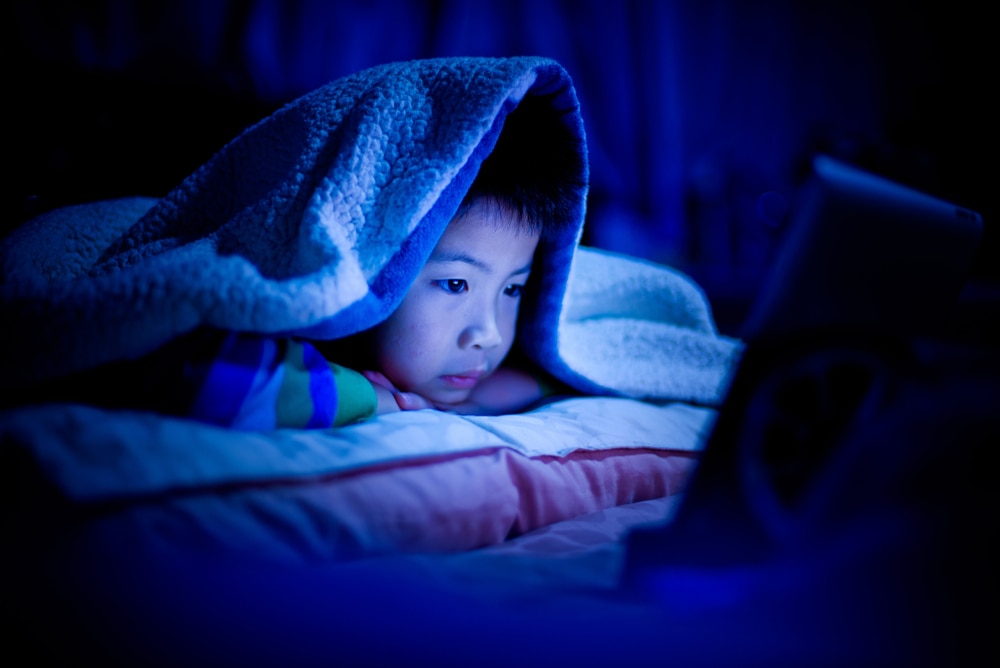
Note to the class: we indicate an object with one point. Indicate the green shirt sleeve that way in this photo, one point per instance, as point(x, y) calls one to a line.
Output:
point(356, 399)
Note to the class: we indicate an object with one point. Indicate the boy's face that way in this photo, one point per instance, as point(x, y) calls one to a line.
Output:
point(457, 321)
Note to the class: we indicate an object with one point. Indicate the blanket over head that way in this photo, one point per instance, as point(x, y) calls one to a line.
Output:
point(314, 222)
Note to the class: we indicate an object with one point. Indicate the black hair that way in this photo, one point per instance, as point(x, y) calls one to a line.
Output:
point(536, 171)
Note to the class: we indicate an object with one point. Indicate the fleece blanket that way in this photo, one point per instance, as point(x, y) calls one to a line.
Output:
point(314, 222)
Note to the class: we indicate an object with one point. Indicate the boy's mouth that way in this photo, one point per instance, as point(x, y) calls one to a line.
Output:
point(464, 380)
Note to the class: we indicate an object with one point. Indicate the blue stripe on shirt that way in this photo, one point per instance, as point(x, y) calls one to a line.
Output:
point(322, 388)
point(229, 380)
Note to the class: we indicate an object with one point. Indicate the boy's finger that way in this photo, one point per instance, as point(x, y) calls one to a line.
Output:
point(379, 379)
point(409, 401)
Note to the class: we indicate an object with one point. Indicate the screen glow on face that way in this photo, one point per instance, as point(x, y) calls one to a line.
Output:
point(458, 319)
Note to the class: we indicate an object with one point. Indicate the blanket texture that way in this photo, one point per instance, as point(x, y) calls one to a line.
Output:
point(314, 222)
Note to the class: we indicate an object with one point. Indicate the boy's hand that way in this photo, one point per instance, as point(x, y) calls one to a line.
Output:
point(503, 391)
point(391, 400)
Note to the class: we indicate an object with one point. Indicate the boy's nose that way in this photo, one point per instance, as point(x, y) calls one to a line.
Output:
point(482, 331)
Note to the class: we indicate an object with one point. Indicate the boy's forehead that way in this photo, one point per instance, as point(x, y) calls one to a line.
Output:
point(487, 239)
point(475, 225)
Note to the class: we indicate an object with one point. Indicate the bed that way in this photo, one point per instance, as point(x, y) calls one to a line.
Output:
point(419, 538)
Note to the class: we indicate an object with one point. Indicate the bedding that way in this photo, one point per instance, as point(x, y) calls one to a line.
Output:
point(408, 482)
point(311, 224)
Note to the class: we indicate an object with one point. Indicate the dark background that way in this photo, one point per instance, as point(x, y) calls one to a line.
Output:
point(692, 109)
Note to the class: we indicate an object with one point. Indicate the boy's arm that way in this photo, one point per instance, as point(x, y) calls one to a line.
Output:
point(259, 382)
point(507, 390)
point(249, 381)
point(315, 393)
point(354, 389)
point(231, 379)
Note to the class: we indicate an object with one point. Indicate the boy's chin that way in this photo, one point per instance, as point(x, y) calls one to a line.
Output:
point(448, 399)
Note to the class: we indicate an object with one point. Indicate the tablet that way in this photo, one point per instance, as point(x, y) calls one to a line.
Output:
point(862, 251)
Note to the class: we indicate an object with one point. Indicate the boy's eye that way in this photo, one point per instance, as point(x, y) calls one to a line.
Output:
point(513, 290)
point(454, 286)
